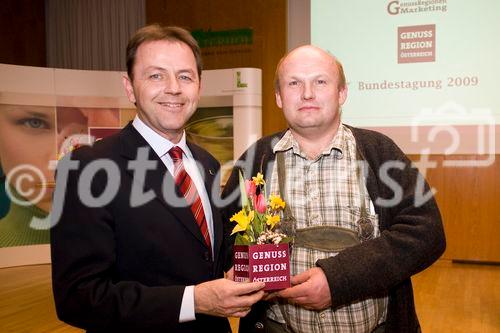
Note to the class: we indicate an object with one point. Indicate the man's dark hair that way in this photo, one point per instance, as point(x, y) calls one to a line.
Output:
point(156, 32)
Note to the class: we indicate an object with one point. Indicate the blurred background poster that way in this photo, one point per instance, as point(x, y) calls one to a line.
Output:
point(32, 139)
point(212, 129)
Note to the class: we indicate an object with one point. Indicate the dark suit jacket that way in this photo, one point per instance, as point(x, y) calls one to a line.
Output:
point(121, 268)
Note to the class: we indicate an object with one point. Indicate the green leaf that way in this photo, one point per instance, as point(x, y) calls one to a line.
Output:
point(244, 198)
point(258, 223)
point(241, 240)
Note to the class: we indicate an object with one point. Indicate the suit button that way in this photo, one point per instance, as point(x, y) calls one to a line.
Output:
point(259, 325)
point(206, 255)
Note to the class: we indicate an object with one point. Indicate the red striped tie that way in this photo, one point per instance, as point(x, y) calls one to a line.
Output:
point(189, 191)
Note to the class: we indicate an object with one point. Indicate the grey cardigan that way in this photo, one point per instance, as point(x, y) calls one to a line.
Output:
point(412, 236)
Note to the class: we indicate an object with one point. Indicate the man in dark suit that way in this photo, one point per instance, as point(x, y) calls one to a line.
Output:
point(137, 245)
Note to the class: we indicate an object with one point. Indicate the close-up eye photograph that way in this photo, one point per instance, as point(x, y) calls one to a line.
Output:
point(249, 166)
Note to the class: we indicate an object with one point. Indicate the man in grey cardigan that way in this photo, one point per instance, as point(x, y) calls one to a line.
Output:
point(363, 225)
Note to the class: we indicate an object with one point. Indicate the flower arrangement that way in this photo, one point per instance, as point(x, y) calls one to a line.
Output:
point(258, 220)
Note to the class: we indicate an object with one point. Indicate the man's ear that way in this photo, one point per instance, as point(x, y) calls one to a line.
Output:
point(278, 99)
point(343, 94)
point(129, 90)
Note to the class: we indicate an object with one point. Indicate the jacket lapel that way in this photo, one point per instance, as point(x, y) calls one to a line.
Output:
point(158, 179)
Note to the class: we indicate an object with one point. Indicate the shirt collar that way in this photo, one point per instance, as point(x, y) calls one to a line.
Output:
point(288, 142)
point(159, 144)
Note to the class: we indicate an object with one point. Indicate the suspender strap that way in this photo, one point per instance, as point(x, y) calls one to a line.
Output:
point(288, 223)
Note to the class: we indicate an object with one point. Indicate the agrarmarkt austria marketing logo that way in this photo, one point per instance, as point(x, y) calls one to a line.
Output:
point(401, 7)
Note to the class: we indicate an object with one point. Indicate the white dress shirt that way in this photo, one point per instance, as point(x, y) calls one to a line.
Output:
point(161, 146)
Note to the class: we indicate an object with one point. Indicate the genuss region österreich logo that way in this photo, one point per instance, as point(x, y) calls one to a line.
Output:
point(416, 43)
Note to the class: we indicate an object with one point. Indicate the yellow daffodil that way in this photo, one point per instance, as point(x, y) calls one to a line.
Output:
point(276, 203)
point(242, 220)
point(259, 180)
point(272, 220)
